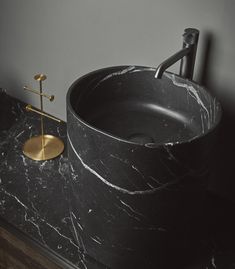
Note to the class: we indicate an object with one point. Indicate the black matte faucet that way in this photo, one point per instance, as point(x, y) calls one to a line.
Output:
point(187, 55)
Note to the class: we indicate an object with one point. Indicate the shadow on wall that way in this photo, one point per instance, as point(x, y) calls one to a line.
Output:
point(204, 77)
point(222, 179)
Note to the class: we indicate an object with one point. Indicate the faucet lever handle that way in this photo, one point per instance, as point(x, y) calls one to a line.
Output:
point(190, 36)
point(190, 40)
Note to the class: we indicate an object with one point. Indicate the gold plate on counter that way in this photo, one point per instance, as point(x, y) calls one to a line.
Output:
point(40, 148)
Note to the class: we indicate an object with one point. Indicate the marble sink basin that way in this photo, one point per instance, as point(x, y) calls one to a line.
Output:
point(139, 149)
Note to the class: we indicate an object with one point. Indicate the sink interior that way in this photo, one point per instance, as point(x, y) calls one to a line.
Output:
point(130, 103)
point(141, 122)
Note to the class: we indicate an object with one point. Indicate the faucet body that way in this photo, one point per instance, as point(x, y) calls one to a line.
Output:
point(187, 55)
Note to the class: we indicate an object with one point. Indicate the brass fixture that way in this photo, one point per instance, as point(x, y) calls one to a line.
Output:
point(50, 97)
point(29, 108)
point(44, 146)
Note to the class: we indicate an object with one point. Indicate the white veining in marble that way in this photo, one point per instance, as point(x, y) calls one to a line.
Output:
point(113, 186)
point(213, 262)
point(32, 221)
point(56, 229)
point(118, 73)
point(142, 69)
point(131, 208)
point(95, 239)
point(194, 94)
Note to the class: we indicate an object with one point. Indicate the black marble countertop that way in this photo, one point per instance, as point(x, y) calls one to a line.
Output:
point(34, 197)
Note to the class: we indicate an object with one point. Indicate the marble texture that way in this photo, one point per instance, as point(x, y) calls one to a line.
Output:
point(136, 216)
point(140, 203)
point(34, 195)
point(37, 199)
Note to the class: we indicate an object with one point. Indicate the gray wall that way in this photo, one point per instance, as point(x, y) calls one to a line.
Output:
point(66, 39)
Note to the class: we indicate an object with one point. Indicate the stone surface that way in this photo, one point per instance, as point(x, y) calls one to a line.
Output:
point(35, 197)
point(140, 202)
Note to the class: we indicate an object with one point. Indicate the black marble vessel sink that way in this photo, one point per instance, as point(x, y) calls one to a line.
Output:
point(139, 149)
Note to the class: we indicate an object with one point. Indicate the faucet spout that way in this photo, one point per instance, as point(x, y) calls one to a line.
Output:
point(187, 55)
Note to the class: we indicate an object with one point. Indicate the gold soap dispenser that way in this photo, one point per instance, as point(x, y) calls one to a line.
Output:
point(44, 146)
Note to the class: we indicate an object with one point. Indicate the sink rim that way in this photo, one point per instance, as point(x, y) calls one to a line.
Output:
point(148, 145)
